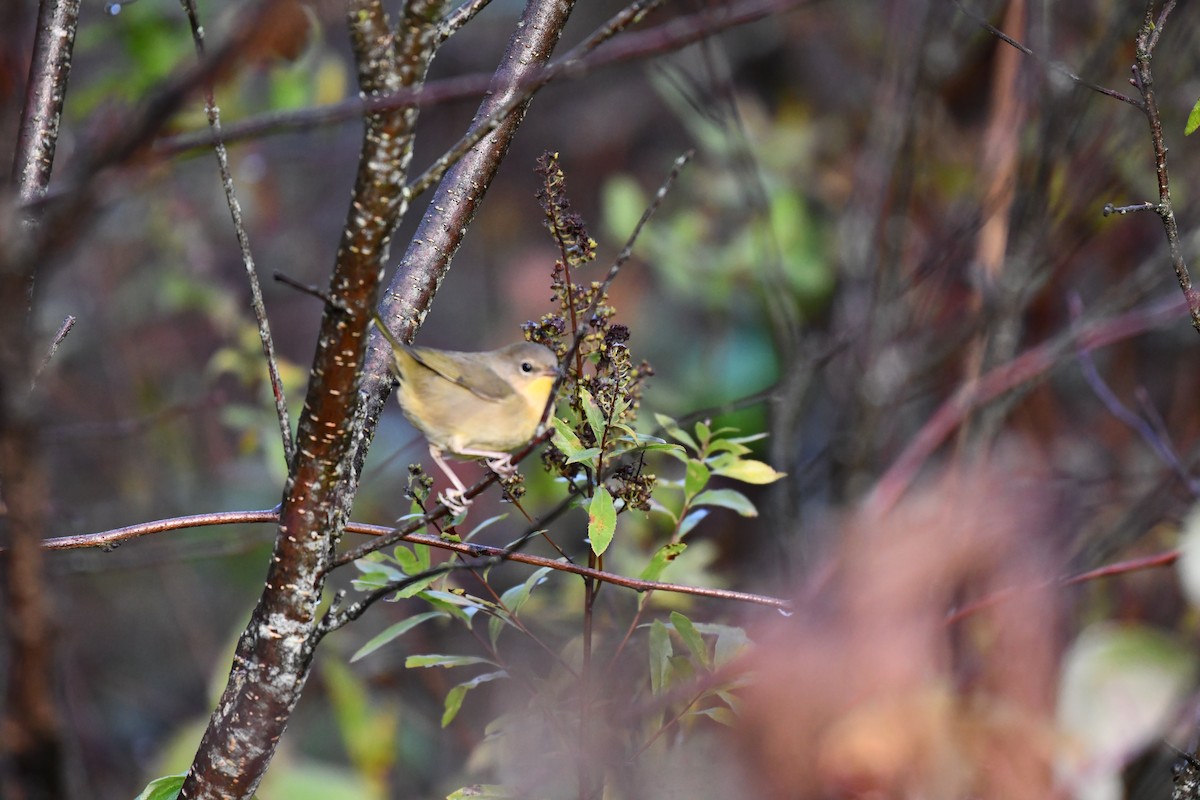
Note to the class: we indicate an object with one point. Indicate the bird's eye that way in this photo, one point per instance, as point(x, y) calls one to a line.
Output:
point(526, 366)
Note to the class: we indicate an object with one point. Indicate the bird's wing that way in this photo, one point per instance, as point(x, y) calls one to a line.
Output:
point(465, 370)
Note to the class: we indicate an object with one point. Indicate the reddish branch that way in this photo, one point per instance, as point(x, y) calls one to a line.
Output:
point(1156, 561)
point(1029, 366)
point(113, 537)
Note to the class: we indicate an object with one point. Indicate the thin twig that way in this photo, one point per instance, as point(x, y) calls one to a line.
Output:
point(623, 256)
point(111, 538)
point(572, 60)
point(1110, 209)
point(1143, 79)
point(668, 37)
point(1152, 42)
point(243, 240)
point(1159, 444)
point(1055, 66)
point(1155, 561)
point(439, 511)
point(312, 291)
point(459, 17)
point(63, 330)
point(116, 536)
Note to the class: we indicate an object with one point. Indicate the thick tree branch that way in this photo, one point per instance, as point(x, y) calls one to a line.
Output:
point(31, 746)
point(275, 652)
point(50, 69)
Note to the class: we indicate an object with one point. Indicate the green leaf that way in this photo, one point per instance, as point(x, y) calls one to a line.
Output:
point(703, 434)
point(727, 446)
point(1193, 120)
point(731, 642)
point(661, 560)
point(587, 454)
point(716, 714)
point(675, 451)
point(564, 438)
point(455, 610)
point(417, 586)
point(727, 498)
point(368, 727)
point(675, 432)
point(595, 416)
point(602, 520)
point(164, 788)
point(682, 670)
point(407, 560)
point(747, 470)
point(454, 698)
point(623, 201)
point(394, 632)
point(691, 637)
point(424, 554)
point(373, 568)
point(695, 480)
point(487, 523)
point(691, 521)
point(445, 661)
point(731, 700)
point(655, 447)
point(371, 581)
point(512, 600)
point(458, 597)
point(660, 656)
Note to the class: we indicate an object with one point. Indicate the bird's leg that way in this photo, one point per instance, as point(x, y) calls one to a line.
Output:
point(499, 463)
point(454, 499)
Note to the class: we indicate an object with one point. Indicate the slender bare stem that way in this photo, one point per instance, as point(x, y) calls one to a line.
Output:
point(243, 239)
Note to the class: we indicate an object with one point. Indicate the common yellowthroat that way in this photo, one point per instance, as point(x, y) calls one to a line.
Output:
point(473, 404)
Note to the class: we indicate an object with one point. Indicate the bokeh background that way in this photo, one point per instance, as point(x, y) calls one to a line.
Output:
point(884, 201)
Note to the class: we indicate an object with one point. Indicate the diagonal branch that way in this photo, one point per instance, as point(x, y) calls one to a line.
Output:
point(1054, 66)
point(1031, 365)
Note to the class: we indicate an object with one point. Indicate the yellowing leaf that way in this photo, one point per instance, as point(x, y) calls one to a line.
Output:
point(747, 470)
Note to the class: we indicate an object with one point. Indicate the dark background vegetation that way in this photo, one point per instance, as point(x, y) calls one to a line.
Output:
point(825, 248)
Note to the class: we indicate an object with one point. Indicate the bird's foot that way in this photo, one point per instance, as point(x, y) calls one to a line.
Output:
point(502, 465)
point(455, 500)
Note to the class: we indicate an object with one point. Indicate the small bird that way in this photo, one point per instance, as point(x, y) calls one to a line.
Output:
point(473, 404)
